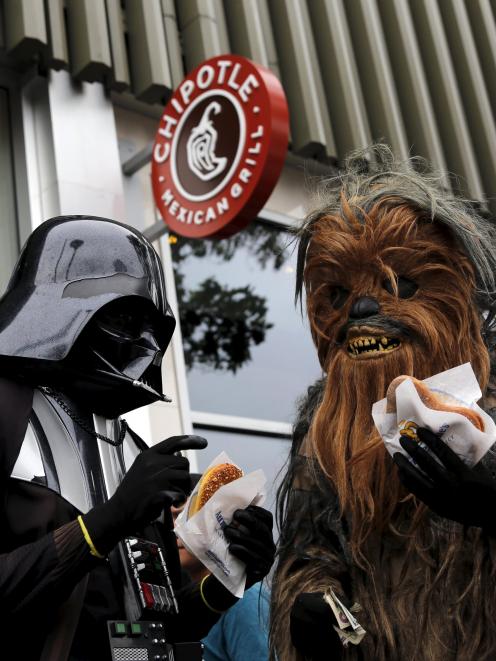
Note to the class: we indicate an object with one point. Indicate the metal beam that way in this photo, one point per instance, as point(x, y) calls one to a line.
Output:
point(89, 44)
point(280, 220)
point(150, 71)
point(158, 229)
point(311, 131)
point(203, 30)
point(120, 73)
point(25, 28)
point(340, 76)
point(138, 161)
point(446, 97)
point(155, 231)
point(376, 76)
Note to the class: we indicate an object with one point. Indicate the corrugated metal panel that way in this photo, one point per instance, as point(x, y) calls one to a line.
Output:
point(339, 75)
point(120, 70)
point(269, 37)
point(59, 56)
point(203, 30)
point(250, 32)
point(150, 71)
point(484, 27)
point(89, 45)
point(310, 126)
point(172, 42)
point(451, 121)
point(375, 75)
point(420, 74)
point(411, 85)
point(244, 22)
point(473, 90)
point(25, 28)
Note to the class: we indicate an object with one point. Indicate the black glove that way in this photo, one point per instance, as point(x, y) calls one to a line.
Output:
point(450, 488)
point(311, 627)
point(140, 497)
point(250, 537)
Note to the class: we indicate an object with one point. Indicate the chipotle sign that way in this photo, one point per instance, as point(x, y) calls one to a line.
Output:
point(220, 147)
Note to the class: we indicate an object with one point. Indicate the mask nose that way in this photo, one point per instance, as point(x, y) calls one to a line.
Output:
point(363, 307)
point(148, 339)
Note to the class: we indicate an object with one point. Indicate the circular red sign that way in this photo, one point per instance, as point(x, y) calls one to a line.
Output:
point(220, 147)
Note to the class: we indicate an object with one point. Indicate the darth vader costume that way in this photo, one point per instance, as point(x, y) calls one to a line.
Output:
point(88, 562)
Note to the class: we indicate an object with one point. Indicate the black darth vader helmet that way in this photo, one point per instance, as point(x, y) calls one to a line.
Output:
point(86, 311)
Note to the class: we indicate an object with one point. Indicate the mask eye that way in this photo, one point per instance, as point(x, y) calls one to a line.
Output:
point(338, 296)
point(123, 325)
point(406, 287)
point(115, 331)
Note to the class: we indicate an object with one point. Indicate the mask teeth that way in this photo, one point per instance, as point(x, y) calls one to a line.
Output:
point(370, 344)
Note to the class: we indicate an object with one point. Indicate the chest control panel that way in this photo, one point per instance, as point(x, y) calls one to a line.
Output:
point(149, 575)
point(146, 641)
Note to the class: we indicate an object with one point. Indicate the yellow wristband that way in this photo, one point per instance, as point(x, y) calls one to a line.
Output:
point(88, 539)
point(214, 610)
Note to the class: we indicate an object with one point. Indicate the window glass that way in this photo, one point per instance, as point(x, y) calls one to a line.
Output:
point(249, 452)
point(247, 348)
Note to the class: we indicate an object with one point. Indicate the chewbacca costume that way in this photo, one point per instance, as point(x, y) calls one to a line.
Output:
point(392, 261)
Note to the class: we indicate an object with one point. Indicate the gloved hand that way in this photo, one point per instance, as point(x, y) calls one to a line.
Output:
point(311, 627)
point(450, 488)
point(140, 497)
point(250, 537)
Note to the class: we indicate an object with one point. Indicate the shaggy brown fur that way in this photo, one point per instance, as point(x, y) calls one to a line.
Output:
point(425, 586)
point(440, 329)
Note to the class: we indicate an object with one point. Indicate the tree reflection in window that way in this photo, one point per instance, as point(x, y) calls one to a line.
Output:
point(220, 324)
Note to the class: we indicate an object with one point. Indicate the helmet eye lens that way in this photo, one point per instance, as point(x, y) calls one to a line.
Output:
point(121, 326)
point(124, 324)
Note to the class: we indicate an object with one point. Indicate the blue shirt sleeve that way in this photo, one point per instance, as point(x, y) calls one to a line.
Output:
point(241, 634)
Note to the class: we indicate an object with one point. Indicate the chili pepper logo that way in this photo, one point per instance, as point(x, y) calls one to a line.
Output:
point(201, 147)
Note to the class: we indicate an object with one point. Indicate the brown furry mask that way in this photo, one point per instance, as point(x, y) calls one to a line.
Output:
point(389, 292)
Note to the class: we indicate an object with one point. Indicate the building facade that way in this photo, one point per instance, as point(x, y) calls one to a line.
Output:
point(82, 87)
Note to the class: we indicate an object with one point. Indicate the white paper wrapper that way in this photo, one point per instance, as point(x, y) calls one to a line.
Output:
point(460, 384)
point(202, 534)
